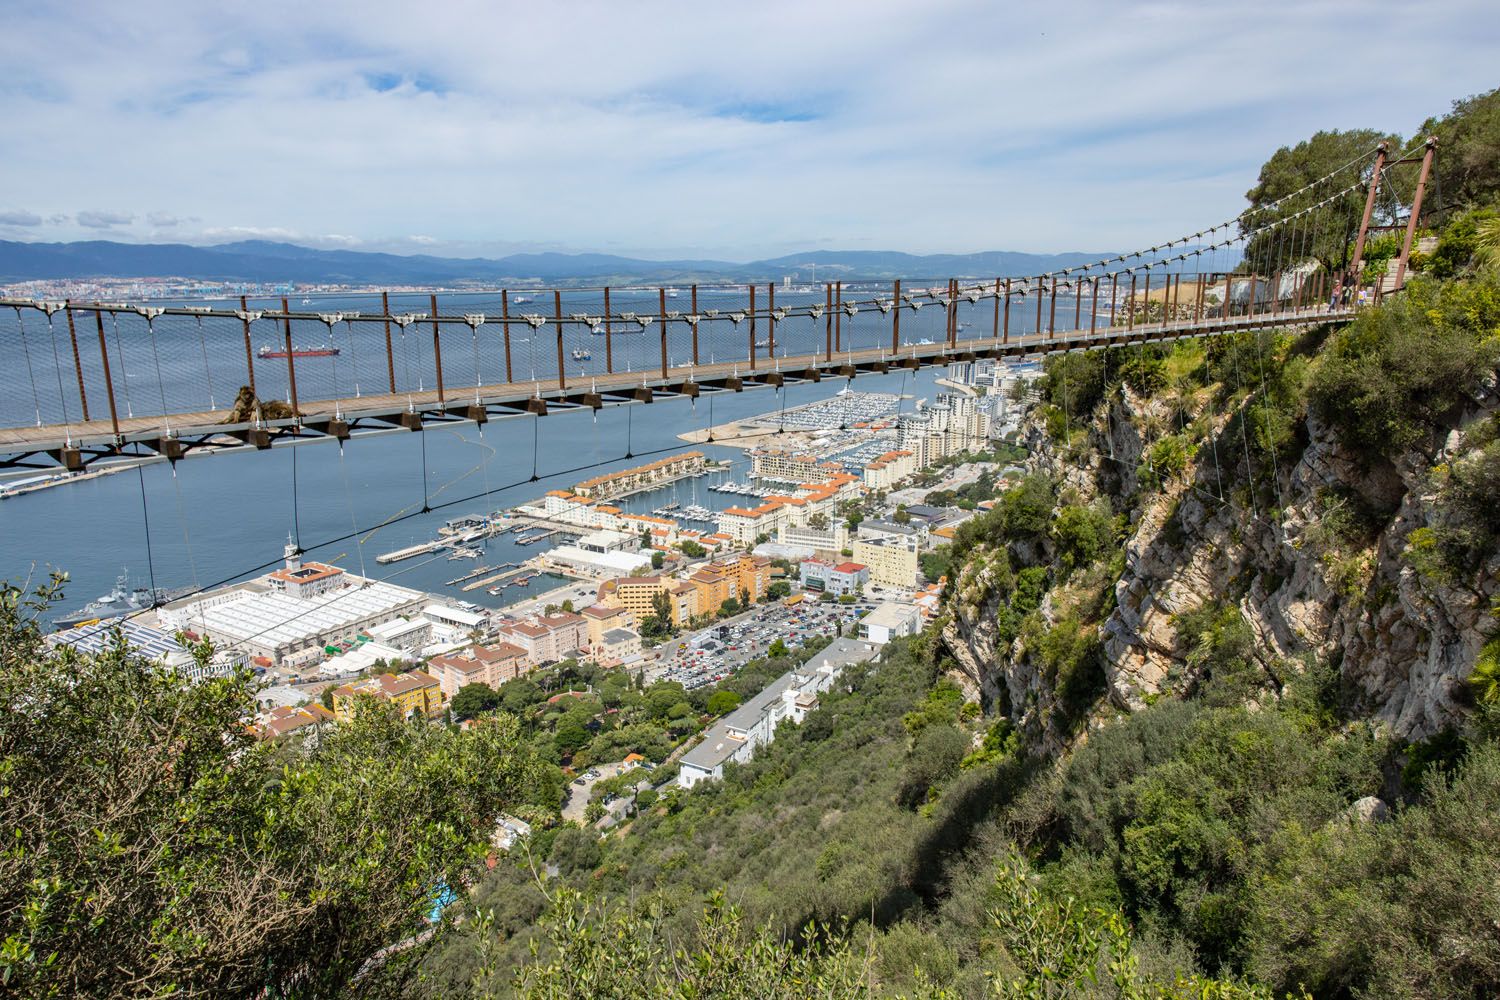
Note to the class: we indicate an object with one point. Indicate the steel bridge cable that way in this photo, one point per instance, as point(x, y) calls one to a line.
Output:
point(35, 396)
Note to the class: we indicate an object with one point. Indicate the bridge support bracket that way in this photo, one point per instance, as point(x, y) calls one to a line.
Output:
point(846, 371)
point(168, 448)
point(643, 395)
point(411, 421)
point(592, 400)
point(338, 429)
point(812, 375)
point(734, 383)
point(69, 458)
point(477, 413)
point(689, 388)
point(771, 378)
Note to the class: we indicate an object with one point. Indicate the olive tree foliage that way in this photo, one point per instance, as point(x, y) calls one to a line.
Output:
point(154, 847)
point(1291, 168)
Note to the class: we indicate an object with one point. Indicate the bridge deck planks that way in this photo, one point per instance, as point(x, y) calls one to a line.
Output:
point(145, 430)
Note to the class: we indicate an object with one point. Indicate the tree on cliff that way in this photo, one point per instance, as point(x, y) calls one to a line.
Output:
point(154, 846)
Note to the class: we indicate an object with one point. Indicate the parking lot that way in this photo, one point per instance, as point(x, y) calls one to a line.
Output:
point(709, 655)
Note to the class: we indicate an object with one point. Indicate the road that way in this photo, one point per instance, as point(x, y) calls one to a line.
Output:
point(578, 795)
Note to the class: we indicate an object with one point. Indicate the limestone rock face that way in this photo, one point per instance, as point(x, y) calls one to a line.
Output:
point(1403, 642)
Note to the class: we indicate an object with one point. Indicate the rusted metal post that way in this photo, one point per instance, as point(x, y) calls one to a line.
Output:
point(771, 323)
point(109, 383)
point(1416, 212)
point(1130, 310)
point(249, 354)
point(751, 325)
point(1094, 307)
point(1077, 306)
point(1146, 298)
point(505, 326)
point(1250, 301)
point(827, 322)
point(995, 326)
point(390, 355)
point(838, 316)
point(1364, 221)
point(1114, 287)
point(437, 350)
point(291, 369)
point(952, 312)
point(662, 318)
point(1039, 297)
point(1005, 328)
point(1052, 311)
point(896, 317)
point(694, 314)
point(1198, 301)
point(83, 396)
point(562, 378)
point(609, 338)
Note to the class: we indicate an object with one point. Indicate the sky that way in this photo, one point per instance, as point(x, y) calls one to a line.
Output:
point(667, 129)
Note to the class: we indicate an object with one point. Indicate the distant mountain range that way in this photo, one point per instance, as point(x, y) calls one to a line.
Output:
point(268, 262)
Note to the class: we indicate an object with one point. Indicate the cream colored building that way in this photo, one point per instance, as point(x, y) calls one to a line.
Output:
point(892, 560)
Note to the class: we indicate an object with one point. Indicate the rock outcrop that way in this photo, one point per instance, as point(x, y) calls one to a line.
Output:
point(1404, 642)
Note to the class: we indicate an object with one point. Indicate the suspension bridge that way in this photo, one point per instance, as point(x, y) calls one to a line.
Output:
point(86, 381)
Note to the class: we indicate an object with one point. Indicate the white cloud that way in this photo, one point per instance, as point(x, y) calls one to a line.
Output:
point(94, 219)
point(669, 128)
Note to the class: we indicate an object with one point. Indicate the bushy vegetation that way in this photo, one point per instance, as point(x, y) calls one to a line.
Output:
point(154, 847)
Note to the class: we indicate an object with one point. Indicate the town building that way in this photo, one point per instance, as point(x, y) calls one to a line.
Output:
point(294, 616)
point(488, 665)
point(149, 643)
point(614, 484)
point(415, 692)
point(888, 621)
point(887, 471)
point(617, 646)
point(790, 697)
point(789, 467)
point(409, 635)
point(838, 579)
point(285, 721)
point(547, 638)
point(893, 559)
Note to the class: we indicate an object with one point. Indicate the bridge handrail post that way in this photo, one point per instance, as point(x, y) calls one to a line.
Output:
point(390, 354)
point(1040, 279)
point(1052, 312)
point(437, 351)
point(838, 317)
point(995, 328)
point(896, 316)
point(249, 354)
point(751, 326)
point(1094, 306)
point(1005, 321)
point(505, 330)
point(291, 368)
point(562, 378)
point(695, 326)
point(661, 315)
point(771, 322)
point(83, 396)
point(1077, 307)
point(109, 382)
point(1130, 312)
point(828, 322)
point(609, 336)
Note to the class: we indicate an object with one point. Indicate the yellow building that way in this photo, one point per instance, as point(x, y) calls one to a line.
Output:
point(637, 594)
point(415, 691)
point(892, 560)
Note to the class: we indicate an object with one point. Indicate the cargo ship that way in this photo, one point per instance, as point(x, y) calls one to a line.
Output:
point(298, 352)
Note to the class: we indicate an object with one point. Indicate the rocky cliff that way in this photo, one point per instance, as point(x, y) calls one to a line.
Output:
point(1312, 545)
